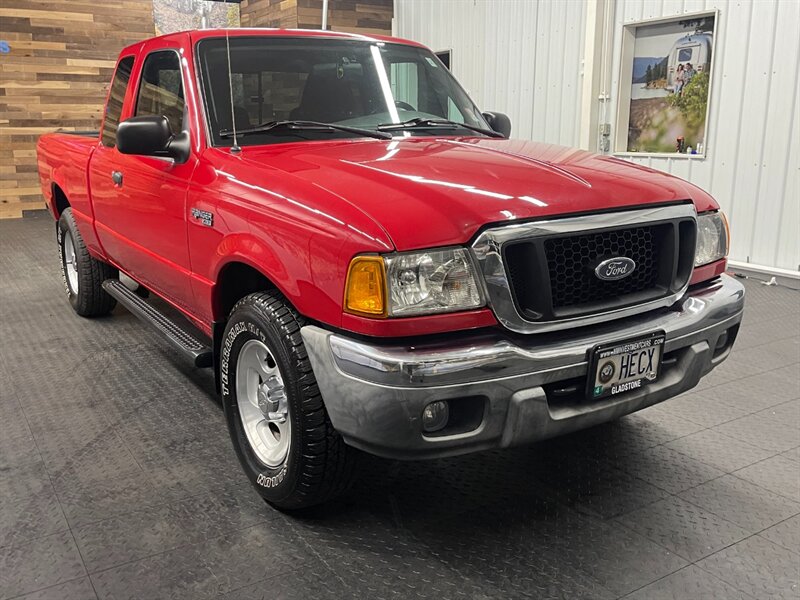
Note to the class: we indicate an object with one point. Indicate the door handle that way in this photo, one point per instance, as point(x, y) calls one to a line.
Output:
point(116, 177)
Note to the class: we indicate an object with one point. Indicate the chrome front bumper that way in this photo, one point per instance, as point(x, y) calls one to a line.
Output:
point(375, 392)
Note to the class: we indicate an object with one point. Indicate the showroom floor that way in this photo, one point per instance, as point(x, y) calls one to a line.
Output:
point(117, 480)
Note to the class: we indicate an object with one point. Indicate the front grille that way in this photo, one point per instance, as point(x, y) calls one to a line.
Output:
point(571, 261)
point(553, 277)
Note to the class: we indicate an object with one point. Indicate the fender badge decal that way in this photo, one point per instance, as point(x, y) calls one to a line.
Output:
point(205, 217)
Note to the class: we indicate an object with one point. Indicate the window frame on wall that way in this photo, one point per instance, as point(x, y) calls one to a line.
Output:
point(108, 138)
point(446, 53)
point(625, 76)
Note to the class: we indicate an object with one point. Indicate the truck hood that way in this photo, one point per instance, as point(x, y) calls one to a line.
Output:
point(427, 192)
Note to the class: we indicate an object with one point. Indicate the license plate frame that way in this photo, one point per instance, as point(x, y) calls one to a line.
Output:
point(598, 388)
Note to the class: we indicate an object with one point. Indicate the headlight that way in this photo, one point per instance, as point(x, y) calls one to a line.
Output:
point(712, 238)
point(433, 281)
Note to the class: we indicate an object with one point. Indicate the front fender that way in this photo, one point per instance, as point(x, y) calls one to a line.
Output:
point(259, 254)
point(295, 233)
point(294, 264)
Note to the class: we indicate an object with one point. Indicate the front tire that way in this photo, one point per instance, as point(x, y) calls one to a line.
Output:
point(83, 275)
point(276, 417)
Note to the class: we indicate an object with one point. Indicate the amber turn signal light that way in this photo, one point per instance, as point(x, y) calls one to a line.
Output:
point(365, 289)
point(727, 233)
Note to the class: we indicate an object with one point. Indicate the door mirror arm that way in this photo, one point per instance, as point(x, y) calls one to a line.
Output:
point(179, 147)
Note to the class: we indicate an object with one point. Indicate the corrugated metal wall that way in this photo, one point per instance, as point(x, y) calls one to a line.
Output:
point(753, 142)
point(523, 57)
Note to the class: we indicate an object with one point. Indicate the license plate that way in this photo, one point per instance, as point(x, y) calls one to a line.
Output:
point(624, 366)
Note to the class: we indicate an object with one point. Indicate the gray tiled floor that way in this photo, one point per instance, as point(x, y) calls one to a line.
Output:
point(117, 480)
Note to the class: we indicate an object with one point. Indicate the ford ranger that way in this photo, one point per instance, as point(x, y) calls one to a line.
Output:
point(369, 263)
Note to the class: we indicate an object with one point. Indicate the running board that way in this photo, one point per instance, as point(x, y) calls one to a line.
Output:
point(188, 344)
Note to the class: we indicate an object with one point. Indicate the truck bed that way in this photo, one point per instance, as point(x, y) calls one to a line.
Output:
point(90, 133)
point(63, 161)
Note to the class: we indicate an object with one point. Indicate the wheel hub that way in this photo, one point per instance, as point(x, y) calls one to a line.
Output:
point(263, 404)
point(272, 400)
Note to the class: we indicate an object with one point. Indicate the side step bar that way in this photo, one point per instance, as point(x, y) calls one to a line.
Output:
point(188, 344)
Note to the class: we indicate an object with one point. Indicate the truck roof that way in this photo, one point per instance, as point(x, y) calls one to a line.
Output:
point(198, 34)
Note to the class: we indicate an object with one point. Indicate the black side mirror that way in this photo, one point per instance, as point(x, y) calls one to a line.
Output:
point(151, 136)
point(499, 122)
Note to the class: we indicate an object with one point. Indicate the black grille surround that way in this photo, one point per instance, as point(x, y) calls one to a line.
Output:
point(552, 277)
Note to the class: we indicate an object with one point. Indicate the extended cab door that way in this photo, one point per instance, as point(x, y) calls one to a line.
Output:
point(140, 201)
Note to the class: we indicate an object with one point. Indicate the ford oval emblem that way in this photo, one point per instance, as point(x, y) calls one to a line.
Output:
point(615, 268)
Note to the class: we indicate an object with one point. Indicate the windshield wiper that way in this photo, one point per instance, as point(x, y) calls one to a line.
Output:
point(304, 126)
point(425, 123)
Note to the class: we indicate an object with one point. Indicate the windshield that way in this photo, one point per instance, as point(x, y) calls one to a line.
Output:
point(344, 82)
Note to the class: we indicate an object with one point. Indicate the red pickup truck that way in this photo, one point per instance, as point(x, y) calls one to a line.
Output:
point(368, 262)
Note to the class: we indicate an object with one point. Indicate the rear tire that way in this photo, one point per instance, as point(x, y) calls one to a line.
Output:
point(265, 374)
point(83, 275)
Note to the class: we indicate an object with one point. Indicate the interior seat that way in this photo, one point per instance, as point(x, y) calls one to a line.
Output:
point(326, 98)
point(241, 117)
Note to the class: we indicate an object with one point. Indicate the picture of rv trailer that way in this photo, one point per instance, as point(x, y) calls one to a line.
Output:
point(694, 48)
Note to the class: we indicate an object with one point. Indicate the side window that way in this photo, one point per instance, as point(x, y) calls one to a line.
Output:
point(453, 112)
point(405, 83)
point(116, 96)
point(161, 89)
point(283, 92)
point(266, 96)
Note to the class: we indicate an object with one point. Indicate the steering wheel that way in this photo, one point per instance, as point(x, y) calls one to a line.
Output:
point(404, 105)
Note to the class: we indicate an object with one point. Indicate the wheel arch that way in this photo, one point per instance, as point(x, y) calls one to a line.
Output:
point(60, 202)
point(235, 279)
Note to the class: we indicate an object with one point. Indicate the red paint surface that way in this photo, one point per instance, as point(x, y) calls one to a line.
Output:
point(709, 271)
point(298, 212)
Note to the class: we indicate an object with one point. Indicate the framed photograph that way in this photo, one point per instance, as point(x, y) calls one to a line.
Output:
point(665, 85)
point(171, 16)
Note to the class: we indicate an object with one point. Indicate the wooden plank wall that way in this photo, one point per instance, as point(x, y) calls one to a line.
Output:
point(61, 59)
point(358, 16)
point(355, 16)
point(62, 56)
point(268, 13)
